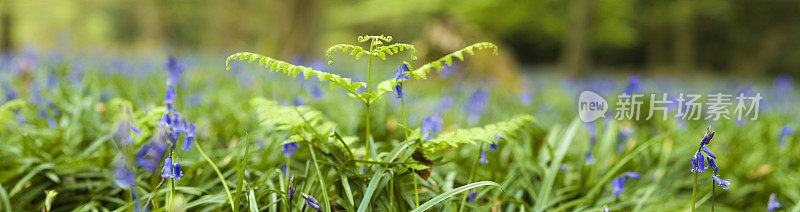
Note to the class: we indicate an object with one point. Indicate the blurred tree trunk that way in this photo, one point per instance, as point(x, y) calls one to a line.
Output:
point(302, 20)
point(684, 36)
point(6, 20)
point(573, 57)
point(655, 26)
point(150, 22)
point(752, 61)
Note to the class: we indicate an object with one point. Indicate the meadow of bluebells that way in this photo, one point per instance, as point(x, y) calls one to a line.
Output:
point(106, 132)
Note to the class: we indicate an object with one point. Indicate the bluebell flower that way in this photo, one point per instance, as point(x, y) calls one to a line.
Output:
point(190, 136)
point(708, 152)
point(773, 202)
point(497, 138)
point(175, 69)
point(150, 154)
point(782, 85)
point(475, 106)
point(618, 184)
point(721, 182)
point(401, 75)
point(298, 101)
point(483, 159)
point(698, 163)
point(446, 70)
point(289, 149)
point(634, 85)
point(590, 158)
point(311, 201)
point(525, 98)
point(713, 165)
point(10, 93)
point(169, 97)
point(123, 176)
point(171, 170)
point(316, 92)
point(431, 125)
point(785, 132)
point(446, 103)
point(472, 195)
point(399, 89)
point(260, 143)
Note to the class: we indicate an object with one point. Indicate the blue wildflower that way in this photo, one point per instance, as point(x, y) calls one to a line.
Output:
point(497, 138)
point(399, 89)
point(123, 176)
point(150, 155)
point(624, 134)
point(483, 159)
point(311, 201)
point(721, 182)
point(169, 97)
point(590, 158)
point(618, 184)
point(10, 93)
point(431, 125)
point(316, 92)
point(289, 149)
point(592, 128)
point(708, 152)
point(634, 85)
point(447, 101)
point(400, 75)
point(476, 105)
point(175, 69)
point(472, 195)
point(171, 170)
point(190, 136)
point(525, 98)
point(773, 202)
point(298, 101)
point(785, 132)
point(713, 165)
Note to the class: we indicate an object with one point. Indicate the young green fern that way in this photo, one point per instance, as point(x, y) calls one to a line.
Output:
point(285, 118)
point(484, 134)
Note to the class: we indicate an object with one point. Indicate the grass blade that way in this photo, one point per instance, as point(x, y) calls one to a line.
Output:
point(436, 200)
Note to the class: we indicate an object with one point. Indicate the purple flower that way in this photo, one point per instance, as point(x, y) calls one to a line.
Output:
point(123, 176)
point(289, 149)
point(298, 101)
point(483, 159)
point(721, 182)
point(401, 75)
point(525, 98)
point(785, 132)
point(311, 201)
point(171, 170)
point(431, 125)
point(624, 134)
point(150, 155)
point(713, 165)
point(497, 138)
point(592, 128)
point(472, 195)
point(698, 163)
point(169, 97)
point(708, 152)
point(399, 89)
point(618, 184)
point(10, 93)
point(634, 85)
point(475, 106)
point(589, 158)
point(190, 136)
point(316, 92)
point(773, 202)
point(175, 69)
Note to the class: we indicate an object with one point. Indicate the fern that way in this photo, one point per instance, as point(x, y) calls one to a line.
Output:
point(436, 65)
point(394, 49)
point(287, 118)
point(292, 70)
point(354, 50)
point(477, 134)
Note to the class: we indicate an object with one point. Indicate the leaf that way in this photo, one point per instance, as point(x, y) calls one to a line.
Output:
point(252, 199)
point(477, 134)
point(274, 65)
point(555, 164)
point(436, 200)
point(287, 118)
point(373, 185)
point(436, 65)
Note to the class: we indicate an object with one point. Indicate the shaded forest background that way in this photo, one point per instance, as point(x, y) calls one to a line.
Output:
point(741, 37)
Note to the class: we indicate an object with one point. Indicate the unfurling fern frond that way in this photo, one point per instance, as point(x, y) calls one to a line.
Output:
point(436, 65)
point(287, 118)
point(474, 135)
point(292, 70)
point(354, 50)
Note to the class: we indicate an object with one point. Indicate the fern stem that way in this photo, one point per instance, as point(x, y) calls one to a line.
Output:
point(369, 89)
point(416, 191)
point(694, 191)
point(219, 174)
